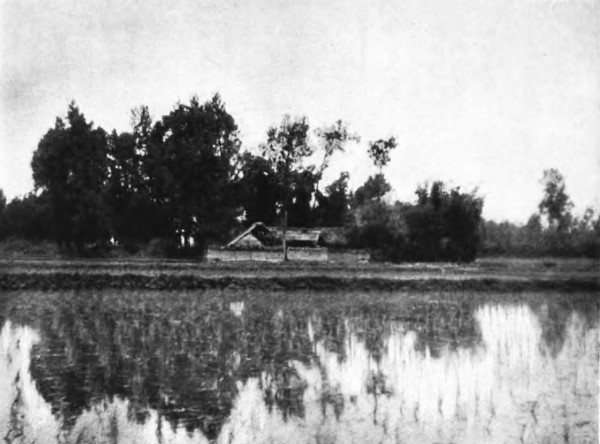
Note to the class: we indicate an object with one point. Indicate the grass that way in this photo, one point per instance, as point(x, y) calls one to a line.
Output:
point(39, 266)
point(484, 275)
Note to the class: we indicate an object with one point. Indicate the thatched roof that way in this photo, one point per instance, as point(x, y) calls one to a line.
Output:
point(269, 236)
point(247, 232)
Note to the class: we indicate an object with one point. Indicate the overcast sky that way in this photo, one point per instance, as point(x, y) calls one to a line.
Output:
point(478, 93)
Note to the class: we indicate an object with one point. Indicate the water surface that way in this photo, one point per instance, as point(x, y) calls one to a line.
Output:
point(240, 367)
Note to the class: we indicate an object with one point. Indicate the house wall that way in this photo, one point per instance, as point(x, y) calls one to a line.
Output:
point(308, 254)
point(294, 254)
point(348, 256)
point(243, 255)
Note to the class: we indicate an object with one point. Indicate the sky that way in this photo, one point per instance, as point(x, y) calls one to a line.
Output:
point(482, 94)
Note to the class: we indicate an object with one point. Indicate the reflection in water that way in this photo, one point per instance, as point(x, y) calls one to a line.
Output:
point(24, 415)
point(506, 390)
point(265, 373)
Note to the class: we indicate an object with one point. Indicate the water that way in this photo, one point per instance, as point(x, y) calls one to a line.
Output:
point(238, 367)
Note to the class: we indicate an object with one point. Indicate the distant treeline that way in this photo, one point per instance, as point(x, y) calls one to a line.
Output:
point(582, 239)
point(178, 184)
point(552, 231)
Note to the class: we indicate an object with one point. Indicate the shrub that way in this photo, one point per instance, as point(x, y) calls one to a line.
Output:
point(441, 226)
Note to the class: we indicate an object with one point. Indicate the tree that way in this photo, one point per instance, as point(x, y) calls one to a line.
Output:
point(374, 188)
point(556, 204)
point(26, 218)
point(379, 151)
point(444, 225)
point(70, 165)
point(135, 219)
point(333, 139)
point(191, 172)
point(333, 207)
point(286, 147)
point(2, 207)
point(462, 220)
point(259, 189)
point(533, 232)
point(302, 187)
point(141, 122)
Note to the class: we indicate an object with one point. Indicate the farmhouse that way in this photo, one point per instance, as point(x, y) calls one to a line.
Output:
point(261, 243)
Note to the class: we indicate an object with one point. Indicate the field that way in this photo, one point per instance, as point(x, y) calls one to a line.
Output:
point(238, 366)
point(484, 274)
point(501, 350)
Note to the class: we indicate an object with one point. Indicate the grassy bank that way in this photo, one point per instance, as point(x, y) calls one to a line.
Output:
point(74, 281)
point(484, 275)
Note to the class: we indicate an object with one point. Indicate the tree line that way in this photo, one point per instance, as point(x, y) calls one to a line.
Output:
point(551, 231)
point(178, 184)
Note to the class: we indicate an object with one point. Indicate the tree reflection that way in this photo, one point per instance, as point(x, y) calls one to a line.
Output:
point(182, 356)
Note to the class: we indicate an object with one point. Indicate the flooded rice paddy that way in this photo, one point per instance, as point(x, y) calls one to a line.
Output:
point(302, 367)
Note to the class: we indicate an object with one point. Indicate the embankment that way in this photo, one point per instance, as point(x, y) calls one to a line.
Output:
point(165, 281)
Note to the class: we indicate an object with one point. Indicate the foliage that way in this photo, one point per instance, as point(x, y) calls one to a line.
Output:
point(19, 247)
point(379, 151)
point(183, 178)
point(259, 189)
point(334, 206)
point(26, 218)
point(333, 139)
point(555, 205)
point(379, 228)
point(191, 166)
point(70, 166)
point(441, 226)
point(444, 225)
point(2, 207)
point(287, 146)
point(302, 188)
point(582, 239)
point(374, 188)
point(564, 234)
point(135, 217)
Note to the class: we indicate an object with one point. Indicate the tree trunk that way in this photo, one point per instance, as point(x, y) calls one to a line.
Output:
point(285, 211)
point(284, 233)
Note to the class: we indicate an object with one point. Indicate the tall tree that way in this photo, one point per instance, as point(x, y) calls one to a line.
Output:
point(191, 169)
point(141, 122)
point(287, 145)
point(333, 207)
point(259, 188)
point(333, 139)
point(379, 152)
point(374, 188)
point(2, 207)
point(556, 204)
point(70, 165)
point(302, 188)
point(26, 218)
point(135, 218)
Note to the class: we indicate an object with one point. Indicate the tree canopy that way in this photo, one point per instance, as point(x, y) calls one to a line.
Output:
point(286, 147)
point(191, 162)
point(71, 166)
point(182, 180)
point(556, 204)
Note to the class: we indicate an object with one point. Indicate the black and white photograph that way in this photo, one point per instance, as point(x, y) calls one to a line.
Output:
point(299, 222)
